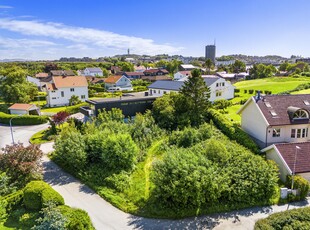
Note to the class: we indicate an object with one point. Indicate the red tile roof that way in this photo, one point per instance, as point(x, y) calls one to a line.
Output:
point(288, 151)
point(279, 104)
point(18, 106)
point(69, 81)
point(112, 79)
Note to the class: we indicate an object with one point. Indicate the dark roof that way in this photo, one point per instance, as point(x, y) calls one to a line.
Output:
point(94, 69)
point(278, 109)
point(156, 70)
point(134, 73)
point(288, 151)
point(168, 85)
point(176, 85)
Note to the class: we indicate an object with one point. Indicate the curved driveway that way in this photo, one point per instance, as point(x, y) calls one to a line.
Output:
point(106, 216)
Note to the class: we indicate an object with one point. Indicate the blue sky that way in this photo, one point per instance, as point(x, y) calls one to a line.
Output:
point(41, 29)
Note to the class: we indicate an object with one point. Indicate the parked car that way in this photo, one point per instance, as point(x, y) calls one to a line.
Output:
point(114, 89)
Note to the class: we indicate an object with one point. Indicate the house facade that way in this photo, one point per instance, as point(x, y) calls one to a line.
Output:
point(61, 88)
point(219, 88)
point(96, 71)
point(24, 109)
point(133, 75)
point(155, 72)
point(121, 82)
point(181, 74)
point(276, 118)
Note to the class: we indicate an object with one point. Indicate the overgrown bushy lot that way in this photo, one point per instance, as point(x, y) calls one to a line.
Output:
point(148, 171)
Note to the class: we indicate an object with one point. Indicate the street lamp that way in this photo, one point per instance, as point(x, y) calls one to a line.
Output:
point(12, 128)
point(293, 173)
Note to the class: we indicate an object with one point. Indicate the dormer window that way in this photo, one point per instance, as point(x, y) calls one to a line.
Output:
point(301, 114)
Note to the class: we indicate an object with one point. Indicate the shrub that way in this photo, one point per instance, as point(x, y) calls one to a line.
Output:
point(245, 91)
point(38, 194)
point(243, 101)
point(3, 205)
point(119, 181)
point(97, 89)
point(233, 131)
point(251, 91)
point(14, 200)
point(77, 219)
point(184, 138)
point(301, 184)
point(75, 108)
point(237, 90)
point(22, 120)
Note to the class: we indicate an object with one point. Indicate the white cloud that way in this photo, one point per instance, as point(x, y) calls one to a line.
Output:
point(83, 38)
point(23, 43)
point(5, 7)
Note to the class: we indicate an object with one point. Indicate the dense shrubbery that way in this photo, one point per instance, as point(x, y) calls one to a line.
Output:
point(298, 88)
point(210, 174)
point(290, 219)
point(301, 184)
point(38, 194)
point(22, 120)
point(232, 131)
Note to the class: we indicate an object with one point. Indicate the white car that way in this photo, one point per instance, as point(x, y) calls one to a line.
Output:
point(114, 89)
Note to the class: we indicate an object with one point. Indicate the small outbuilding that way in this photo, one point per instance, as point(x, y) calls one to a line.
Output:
point(28, 109)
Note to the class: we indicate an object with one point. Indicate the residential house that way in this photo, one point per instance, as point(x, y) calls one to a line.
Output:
point(155, 72)
point(120, 82)
point(95, 80)
point(115, 69)
point(276, 118)
point(139, 68)
point(34, 80)
point(61, 73)
point(24, 109)
point(188, 67)
point(181, 74)
point(96, 71)
point(41, 76)
point(232, 77)
point(133, 75)
point(61, 88)
point(291, 158)
point(219, 88)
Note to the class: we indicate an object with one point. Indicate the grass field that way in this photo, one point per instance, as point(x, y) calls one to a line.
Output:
point(274, 84)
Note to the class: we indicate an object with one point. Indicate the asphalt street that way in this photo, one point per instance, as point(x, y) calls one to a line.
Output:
point(105, 216)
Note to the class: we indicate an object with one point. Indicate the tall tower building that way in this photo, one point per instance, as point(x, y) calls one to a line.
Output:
point(210, 52)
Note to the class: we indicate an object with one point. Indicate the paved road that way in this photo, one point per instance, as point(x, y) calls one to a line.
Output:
point(21, 133)
point(105, 216)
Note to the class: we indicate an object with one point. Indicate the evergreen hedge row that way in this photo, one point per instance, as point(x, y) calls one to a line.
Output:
point(22, 120)
point(232, 130)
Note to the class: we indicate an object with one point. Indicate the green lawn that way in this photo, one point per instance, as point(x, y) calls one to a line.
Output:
point(274, 84)
point(305, 91)
point(43, 136)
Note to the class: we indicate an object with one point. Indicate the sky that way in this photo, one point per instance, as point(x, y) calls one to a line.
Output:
point(42, 29)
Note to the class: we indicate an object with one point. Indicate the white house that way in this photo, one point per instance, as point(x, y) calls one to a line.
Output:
point(276, 118)
point(93, 72)
point(181, 74)
point(34, 80)
point(61, 88)
point(27, 109)
point(219, 88)
point(119, 82)
point(284, 154)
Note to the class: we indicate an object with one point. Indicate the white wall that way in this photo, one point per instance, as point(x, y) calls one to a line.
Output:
point(160, 92)
point(15, 111)
point(226, 91)
point(123, 83)
point(94, 74)
point(285, 133)
point(253, 122)
point(54, 98)
point(283, 171)
point(178, 76)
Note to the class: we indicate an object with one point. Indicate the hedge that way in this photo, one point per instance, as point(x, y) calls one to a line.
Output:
point(74, 108)
point(301, 184)
point(22, 120)
point(38, 193)
point(290, 219)
point(97, 89)
point(233, 131)
point(76, 218)
point(14, 200)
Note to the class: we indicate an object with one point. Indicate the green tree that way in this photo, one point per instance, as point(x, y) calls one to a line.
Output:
point(196, 95)
point(221, 104)
point(13, 86)
point(262, 71)
point(74, 100)
point(238, 67)
point(209, 64)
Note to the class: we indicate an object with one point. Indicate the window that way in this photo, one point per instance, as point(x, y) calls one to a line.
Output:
point(82, 96)
point(267, 104)
point(165, 92)
point(159, 91)
point(293, 133)
point(53, 98)
point(53, 91)
point(299, 133)
point(154, 91)
point(217, 84)
point(218, 94)
point(62, 93)
point(71, 89)
point(273, 113)
point(306, 102)
point(300, 114)
point(223, 83)
point(276, 133)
